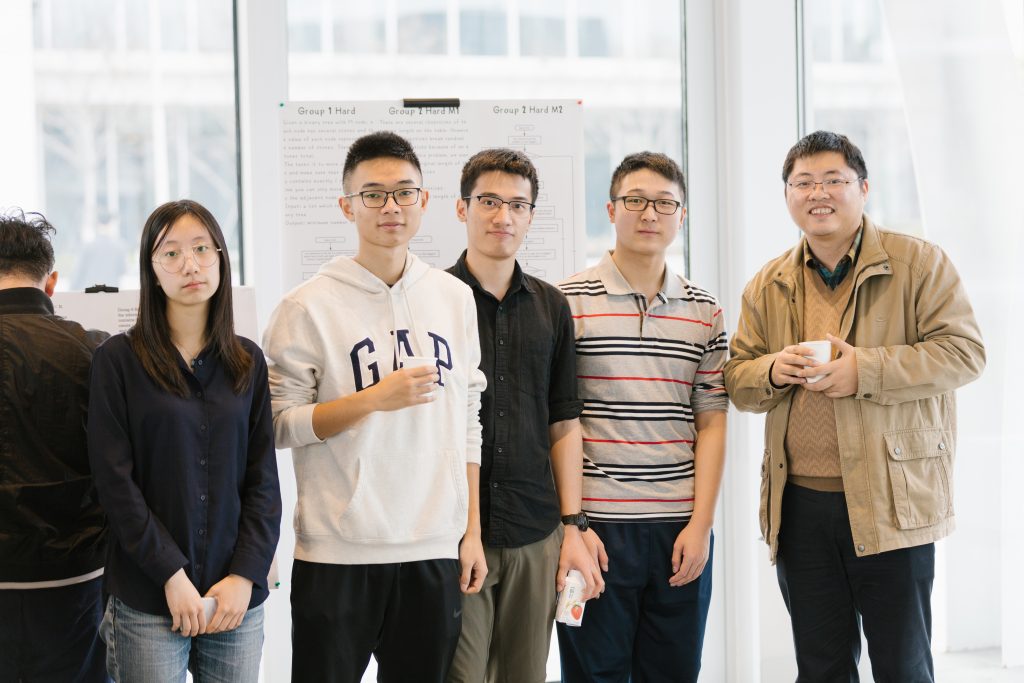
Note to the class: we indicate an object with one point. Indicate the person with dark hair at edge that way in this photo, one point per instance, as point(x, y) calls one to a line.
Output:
point(856, 480)
point(532, 458)
point(374, 367)
point(52, 529)
point(182, 445)
point(650, 347)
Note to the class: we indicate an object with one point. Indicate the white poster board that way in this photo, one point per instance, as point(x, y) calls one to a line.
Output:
point(315, 137)
point(115, 312)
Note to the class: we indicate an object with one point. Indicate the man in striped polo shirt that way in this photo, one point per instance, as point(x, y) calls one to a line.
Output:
point(650, 350)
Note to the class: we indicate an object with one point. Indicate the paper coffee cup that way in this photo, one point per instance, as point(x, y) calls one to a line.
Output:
point(822, 353)
point(419, 362)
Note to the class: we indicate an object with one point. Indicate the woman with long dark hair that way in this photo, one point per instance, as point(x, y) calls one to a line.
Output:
point(182, 449)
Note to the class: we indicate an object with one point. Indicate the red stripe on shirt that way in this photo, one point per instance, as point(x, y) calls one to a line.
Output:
point(685, 320)
point(709, 372)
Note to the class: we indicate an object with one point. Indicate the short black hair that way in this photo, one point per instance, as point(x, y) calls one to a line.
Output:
point(500, 159)
point(25, 247)
point(661, 164)
point(379, 145)
point(825, 141)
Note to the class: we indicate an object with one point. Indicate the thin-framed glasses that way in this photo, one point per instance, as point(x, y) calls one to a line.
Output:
point(666, 207)
point(491, 204)
point(807, 186)
point(173, 260)
point(375, 199)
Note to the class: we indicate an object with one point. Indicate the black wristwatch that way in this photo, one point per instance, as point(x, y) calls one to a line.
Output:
point(579, 520)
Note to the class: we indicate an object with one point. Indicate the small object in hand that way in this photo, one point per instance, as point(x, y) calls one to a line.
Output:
point(570, 601)
point(209, 608)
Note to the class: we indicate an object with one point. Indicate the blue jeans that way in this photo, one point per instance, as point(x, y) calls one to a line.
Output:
point(142, 647)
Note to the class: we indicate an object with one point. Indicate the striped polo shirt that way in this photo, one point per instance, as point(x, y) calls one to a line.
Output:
point(643, 373)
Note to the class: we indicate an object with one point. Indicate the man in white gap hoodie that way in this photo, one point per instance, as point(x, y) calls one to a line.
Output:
point(387, 524)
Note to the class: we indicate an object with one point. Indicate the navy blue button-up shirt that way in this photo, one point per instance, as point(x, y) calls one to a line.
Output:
point(186, 482)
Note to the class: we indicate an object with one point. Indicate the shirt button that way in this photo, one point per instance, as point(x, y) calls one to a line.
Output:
point(867, 395)
point(202, 532)
point(494, 485)
point(501, 450)
point(501, 378)
point(198, 567)
point(942, 446)
point(501, 308)
point(780, 465)
point(202, 428)
point(501, 413)
point(203, 497)
point(199, 394)
point(860, 548)
point(897, 450)
point(501, 342)
point(199, 362)
point(202, 461)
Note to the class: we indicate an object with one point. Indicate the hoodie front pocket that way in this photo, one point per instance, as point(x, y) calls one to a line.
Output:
point(919, 472)
point(406, 496)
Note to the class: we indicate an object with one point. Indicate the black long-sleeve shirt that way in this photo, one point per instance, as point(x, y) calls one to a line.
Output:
point(186, 482)
point(528, 353)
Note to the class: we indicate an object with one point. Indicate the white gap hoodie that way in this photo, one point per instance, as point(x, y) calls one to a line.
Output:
point(391, 488)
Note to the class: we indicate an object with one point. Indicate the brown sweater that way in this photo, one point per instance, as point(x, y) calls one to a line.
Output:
point(812, 442)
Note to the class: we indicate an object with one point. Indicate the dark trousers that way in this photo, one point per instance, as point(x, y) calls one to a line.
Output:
point(407, 615)
point(52, 634)
point(641, 629)
point(829, 592)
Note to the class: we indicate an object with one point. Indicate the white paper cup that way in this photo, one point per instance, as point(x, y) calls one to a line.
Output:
point(822, 353)
point(420, 362)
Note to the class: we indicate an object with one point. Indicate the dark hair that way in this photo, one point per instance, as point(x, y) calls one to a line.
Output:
point(379, 145)
point(654, 161)
point(25, 247)
point(509, 161)
point(825, 141)
point(150, 336)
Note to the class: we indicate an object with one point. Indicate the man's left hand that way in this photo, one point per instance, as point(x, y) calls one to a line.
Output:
point(839, 377)
point(474, 563)
point(575, 555)
point(690, 553)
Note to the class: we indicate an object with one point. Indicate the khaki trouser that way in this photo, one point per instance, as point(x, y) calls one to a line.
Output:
point(506, 627)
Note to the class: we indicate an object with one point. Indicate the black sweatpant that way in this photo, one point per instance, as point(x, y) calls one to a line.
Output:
point(408, 615)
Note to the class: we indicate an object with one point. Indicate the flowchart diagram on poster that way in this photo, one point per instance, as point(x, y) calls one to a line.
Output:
point(315, 137)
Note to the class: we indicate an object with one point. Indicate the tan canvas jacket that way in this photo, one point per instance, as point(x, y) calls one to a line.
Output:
point(916, 340)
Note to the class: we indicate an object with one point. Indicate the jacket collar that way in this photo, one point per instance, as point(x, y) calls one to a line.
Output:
point(25, 300)
point(872, 254)
point(616, 284)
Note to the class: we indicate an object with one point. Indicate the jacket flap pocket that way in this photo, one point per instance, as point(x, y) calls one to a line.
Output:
point(911, 444)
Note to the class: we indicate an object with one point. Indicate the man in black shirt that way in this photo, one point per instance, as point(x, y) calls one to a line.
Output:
point(52, 530)
point(532, 458)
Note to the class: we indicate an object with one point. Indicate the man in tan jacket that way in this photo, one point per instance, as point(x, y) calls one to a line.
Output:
point(856, 481)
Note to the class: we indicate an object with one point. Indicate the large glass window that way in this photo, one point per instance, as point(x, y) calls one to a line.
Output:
point(624, 63)
point(134, 106)
point(852, 86)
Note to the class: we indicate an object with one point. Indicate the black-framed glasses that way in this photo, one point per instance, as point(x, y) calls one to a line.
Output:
point(666, 207)
point(375, 199)
point(807, 186)
point(172, 260)
point(491, 204)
